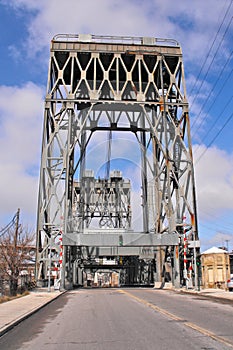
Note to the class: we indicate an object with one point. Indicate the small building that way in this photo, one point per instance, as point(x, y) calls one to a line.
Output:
point(215, 268)
point(231, 262)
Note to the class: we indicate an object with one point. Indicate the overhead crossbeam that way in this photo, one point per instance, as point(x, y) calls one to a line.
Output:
point(112, 239)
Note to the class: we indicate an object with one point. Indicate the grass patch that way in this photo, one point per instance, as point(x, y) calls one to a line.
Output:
point(5, 298)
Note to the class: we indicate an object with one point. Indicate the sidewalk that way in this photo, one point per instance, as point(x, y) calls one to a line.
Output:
point(211, 292)
point(14, 311)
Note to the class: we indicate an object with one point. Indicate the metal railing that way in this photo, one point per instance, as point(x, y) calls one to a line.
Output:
point(108, 39)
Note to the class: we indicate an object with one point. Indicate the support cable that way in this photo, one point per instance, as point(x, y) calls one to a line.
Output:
point(109, 151)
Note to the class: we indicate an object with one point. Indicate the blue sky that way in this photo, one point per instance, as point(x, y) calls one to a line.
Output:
point(205, 32)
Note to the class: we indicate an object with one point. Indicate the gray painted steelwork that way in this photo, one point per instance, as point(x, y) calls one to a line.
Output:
point(111, 239)
point(115, 84)
point(107, 199)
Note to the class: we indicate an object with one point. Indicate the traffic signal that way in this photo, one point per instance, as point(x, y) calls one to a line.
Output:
point(198, 260)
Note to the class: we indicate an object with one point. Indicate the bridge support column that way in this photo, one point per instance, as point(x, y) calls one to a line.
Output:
point(176, 268)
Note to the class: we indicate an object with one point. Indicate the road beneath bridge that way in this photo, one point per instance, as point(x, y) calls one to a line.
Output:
point(129, 319)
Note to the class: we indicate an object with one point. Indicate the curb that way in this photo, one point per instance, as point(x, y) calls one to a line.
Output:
point(203, 295)
point(27, 315)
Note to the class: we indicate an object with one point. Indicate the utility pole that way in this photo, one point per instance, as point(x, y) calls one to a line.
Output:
point(14, 276)
point(16, 230)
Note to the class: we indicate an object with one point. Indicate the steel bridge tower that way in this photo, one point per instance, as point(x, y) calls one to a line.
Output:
point(110, 84)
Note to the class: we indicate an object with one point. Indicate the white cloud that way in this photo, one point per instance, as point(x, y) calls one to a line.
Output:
point(218, 239)
point(21, 114)
point(20, 138)
point(214, 181)
point(191, 23)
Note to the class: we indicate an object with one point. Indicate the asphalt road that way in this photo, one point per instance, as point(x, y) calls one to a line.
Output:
point(127, 319)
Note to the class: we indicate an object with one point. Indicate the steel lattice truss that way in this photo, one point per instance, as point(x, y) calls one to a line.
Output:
point(108, 200)
point(121, 84)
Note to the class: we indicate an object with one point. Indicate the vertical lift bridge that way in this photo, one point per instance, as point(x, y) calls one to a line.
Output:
point(111, 84)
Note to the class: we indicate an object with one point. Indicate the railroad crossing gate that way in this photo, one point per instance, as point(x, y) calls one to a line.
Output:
point(102, 85)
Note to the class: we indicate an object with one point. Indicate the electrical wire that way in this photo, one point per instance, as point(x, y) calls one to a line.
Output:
point(215, 122)
point(218, 95)
point(209, 66)
point(208, 54)
point(215, 137)
point(212, 216)
point(213, 88)
point(214, 227)
point(8, 226)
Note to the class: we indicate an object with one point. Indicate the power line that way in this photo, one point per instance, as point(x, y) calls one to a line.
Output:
point(216, 120)
point(226, 225)
point(208, 54)
point(214, 228)
point(211, 91)
point(8, 226)
point(215, 137)
point(210, 64)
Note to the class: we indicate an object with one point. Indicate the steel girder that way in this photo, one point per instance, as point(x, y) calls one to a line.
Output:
point(121, 84)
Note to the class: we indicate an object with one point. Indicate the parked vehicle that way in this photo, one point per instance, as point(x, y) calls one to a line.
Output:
point(230, 284)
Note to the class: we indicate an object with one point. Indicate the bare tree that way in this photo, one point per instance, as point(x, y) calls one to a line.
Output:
point(15, 246)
